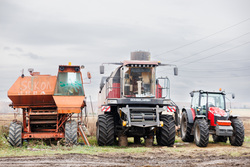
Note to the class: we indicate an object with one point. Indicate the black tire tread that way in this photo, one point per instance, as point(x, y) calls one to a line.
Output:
point(106, 130)
point(166, 134)
point(71, 132)
point(204, 133)
point(15, 134)
point(187, 137)
point(238, 132)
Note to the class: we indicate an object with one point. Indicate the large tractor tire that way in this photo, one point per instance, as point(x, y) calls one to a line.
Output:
point(201, 133)
point(186, 129)
point(219, 138)
point(105, 130)
point(71, 133)
point(15, 134)
point(237, 138)
point(166, 134)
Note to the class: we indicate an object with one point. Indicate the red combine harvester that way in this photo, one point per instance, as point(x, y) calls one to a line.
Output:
point(208, 115)
point(134, 103)
point(48, 103)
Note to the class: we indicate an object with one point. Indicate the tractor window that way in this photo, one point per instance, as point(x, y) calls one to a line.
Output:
point(69, 84)
point(203, 104)
point(216, 100)
point(195, 101)
point(139, 82)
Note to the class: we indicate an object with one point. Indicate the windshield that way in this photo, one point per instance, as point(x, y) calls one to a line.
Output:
point(69, 84)
point(216, 100)
point(139, 82)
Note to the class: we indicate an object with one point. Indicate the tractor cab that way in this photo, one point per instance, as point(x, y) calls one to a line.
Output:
point(210, 104)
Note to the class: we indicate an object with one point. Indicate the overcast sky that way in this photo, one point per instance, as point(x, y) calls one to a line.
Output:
point(207, 40)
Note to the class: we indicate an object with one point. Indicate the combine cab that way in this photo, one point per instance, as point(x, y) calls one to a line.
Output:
point(134, 103)
point(208, 115)
point(48, 103)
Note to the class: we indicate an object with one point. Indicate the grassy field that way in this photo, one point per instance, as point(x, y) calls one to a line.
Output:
point(40, 148)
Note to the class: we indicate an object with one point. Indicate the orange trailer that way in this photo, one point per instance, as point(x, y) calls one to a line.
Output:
point(48, 103)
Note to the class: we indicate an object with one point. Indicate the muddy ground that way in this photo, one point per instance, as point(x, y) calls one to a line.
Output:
point(182, 154)
point(187, 155)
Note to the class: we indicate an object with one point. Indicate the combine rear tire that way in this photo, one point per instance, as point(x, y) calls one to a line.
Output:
point(166, 134)
point(186, 129)
point(219, 139)
point(201, 133)
point(237, 138)
point(15, 134)
point(71, 133)
point(105, 130)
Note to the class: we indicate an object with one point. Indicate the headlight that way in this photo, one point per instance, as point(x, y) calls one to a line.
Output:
point(112, 101)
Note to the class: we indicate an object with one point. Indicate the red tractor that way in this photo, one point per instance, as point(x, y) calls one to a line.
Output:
point(208, 115)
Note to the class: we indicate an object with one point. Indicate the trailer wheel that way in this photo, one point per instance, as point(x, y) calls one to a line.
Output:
point(166, 134)
point(71, 132)
point(237, 138)
point(15, 134)
point(219, 138)
point(105, 130)
point(201, 133)
point(186, 129)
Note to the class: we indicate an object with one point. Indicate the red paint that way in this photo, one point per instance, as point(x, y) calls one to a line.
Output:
point(158, 91)
point(212, 111)
point(193, 113)
point(115, 92)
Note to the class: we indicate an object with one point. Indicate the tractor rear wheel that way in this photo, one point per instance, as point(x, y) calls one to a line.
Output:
point(15, 134)
point(105, 130)
point(166, 134)
point(219, 138)
point(201, 133)
point(186, 129)
point(71, 132)
point(237, 138)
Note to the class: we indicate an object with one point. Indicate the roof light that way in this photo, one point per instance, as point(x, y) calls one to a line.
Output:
point(69, 63)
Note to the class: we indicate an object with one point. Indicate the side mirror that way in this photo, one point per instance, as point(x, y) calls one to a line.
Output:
point(192, 94)
point(102, 69)
point(176, 71)
point(157, 81)
point(233, 95)
point(89, 75)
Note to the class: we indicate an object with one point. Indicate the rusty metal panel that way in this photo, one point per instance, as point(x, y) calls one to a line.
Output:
point(33, 90)
point(69, 104)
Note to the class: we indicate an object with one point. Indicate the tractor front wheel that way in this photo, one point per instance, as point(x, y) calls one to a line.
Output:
point(15, 134)
point(237, 138)
point(201, 133)
point(186, 129)
point(71, 132)
point(166, 134)
point(105, 130)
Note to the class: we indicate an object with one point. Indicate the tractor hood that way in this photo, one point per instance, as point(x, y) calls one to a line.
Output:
point(216, 110)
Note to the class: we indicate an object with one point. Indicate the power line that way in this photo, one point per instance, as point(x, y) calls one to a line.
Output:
point(182, 46)
point(219, 70)
point(211, 48)
point(223, 77)
point(217, 53)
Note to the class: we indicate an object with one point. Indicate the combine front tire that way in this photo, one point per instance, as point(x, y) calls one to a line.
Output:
point(71, 133)
point(105, 130)
point(166, 134)
point(237, 138)
point(201, 133)
point(186, 129)
point(15, 134)
point(219, 139)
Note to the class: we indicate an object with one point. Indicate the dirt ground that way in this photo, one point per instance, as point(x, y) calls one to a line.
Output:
point(182, 154)
point(158, 156)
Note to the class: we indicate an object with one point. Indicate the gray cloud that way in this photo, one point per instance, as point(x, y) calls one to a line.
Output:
point(93, 32)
